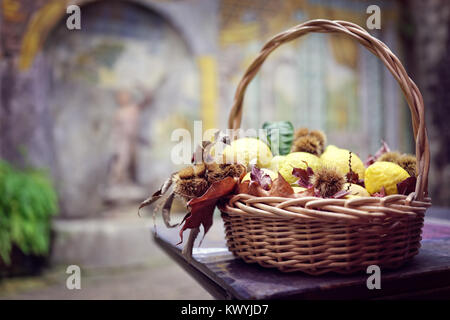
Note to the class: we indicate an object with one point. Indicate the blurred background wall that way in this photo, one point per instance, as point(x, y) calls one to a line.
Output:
point(425, 31)
point(59, 86)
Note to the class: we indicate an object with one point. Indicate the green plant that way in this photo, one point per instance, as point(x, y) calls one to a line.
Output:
point(27, 202)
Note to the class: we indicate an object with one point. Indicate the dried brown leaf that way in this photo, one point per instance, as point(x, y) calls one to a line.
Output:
point(281, 188)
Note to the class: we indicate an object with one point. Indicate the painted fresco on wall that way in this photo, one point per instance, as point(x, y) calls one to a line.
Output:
point(320, 81)
point(118, 90)
point(128, 70)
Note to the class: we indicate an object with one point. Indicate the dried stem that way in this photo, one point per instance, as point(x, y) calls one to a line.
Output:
point(187, 250)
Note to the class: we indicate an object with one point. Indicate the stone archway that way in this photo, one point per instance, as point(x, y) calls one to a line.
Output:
point(122, 45)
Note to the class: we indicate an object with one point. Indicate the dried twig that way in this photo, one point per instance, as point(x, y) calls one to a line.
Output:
point(188, 247)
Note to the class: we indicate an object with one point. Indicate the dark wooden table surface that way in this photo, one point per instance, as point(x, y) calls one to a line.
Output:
point(427, 276)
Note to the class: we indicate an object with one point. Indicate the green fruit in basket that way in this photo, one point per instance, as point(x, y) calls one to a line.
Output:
point(384, 174)
point(339, 159)
point(270, 173)
point(276, 163)
point(298, 160)
point(246, 150)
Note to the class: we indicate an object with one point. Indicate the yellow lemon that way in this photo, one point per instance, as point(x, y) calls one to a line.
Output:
point(338, 158)
point(298, 189)
point(276, 163)
point(271, 174)
point(355, 191)
point(297, 160)
point(384, 174)
point(245, 150)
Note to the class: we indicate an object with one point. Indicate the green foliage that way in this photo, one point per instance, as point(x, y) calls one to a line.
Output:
point(27, 202)
point(280, 136)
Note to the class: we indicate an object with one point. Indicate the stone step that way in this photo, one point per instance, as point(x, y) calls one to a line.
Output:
point(102, 242)
point(117, 237)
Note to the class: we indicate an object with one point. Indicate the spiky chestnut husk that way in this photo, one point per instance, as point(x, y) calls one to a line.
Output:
point(213, 166)
point(217, 172)
point(393, 156)
point(186, 173)
point(200, 170)
point(320, 135)
point(328, 181)
point(301, 132)
point(309, 141)
point(236, 170)
point(409, 163)
point(190, 188)
point(308, 144)
point(197, 170)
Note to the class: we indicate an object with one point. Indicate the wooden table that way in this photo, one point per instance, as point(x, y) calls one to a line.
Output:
point(224, 276)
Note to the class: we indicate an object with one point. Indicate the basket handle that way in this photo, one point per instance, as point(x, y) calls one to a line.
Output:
point(379, 49)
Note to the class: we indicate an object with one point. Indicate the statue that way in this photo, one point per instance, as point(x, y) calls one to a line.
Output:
point(126, 136)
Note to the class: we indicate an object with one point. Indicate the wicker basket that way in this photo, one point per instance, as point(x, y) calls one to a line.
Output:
point(317, 235)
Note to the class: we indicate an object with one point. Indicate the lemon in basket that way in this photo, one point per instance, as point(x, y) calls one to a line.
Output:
point(339, 159)
point(355, 190)
point(269, 172)
point(276, 163)
point(297, 160)
point(245, 150)
point(384, 174)
point(298, 189)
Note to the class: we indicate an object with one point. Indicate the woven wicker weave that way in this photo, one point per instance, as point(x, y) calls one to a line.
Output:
point(316, 235)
